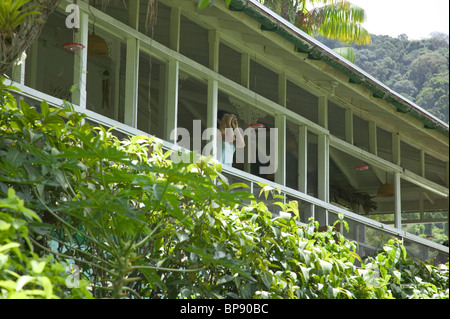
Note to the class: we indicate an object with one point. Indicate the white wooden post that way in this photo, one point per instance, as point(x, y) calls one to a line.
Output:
point(303, 159)
point(323, 155)
point(396, 159)
point(373, 147)
point(245, 70)
point(245, 82)
point(131, 82)
point(213, 41)
point(280, 173)
point(349, 126)
point(323, 111)
point(171, 107)
point(133, 14)
point(213, 93)
point(323, 167)
point(79, 95)
point(398, 201)
point(174, 33)
point(280, 125)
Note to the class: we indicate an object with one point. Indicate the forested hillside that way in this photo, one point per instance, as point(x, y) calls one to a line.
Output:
point(417, 69)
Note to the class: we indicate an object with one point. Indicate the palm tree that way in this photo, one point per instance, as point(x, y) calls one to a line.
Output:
point(333, 19)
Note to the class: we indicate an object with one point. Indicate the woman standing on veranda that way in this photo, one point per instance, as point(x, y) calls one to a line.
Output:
point(231, 137)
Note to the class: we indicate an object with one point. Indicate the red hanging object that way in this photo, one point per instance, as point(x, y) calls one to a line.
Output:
point(256, 125)
point(73, 47)
point(362, 168)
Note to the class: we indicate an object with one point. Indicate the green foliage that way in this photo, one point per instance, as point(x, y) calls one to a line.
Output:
point(409, 279)
point(13, 13)
point(139, 225)
point(24, 274)
point(417, 69)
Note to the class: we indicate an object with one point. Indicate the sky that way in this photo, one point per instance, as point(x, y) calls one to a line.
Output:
point(415, 18)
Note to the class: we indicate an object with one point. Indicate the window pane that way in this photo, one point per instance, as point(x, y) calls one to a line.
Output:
point(49, 68)
point(151, 95)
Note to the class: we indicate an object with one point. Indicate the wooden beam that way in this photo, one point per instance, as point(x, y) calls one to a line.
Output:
point(425, 183)
point(282, 83)
point(420, 221)
point(349, 126)
point(245, 70)
point(396, 154)
point(174, 32)
point(373, 142)
point(133, 14)
point(381, 174)
point(422, 163)
point(214, 41)
point(323, 111)
point(342, 165)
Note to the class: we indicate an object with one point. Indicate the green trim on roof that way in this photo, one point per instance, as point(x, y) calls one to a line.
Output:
point(303, 45)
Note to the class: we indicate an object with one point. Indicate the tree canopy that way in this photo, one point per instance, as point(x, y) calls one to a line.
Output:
point(416, 69)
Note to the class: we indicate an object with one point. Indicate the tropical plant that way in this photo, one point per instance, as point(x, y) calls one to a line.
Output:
point(24, 274)
point(21, 22)
point(14, 13)
point(139, 225)
point(332, 19)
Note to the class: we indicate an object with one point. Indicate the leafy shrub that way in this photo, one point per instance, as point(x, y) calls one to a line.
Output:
point(24, 274)
point(139, 225)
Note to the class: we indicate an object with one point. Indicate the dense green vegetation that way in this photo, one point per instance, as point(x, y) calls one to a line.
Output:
point(416, 69)
point(138, 225)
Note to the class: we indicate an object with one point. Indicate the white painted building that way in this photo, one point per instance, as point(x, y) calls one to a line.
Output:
point(341, 133)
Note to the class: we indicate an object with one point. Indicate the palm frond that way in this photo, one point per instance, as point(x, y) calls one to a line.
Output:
point(339, 21)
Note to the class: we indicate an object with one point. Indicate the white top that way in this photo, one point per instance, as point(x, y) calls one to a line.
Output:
point(226, 153)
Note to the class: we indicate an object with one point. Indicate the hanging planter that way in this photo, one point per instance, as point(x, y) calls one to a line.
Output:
point(361, 168)
point(97, 46)
point(386, 190)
